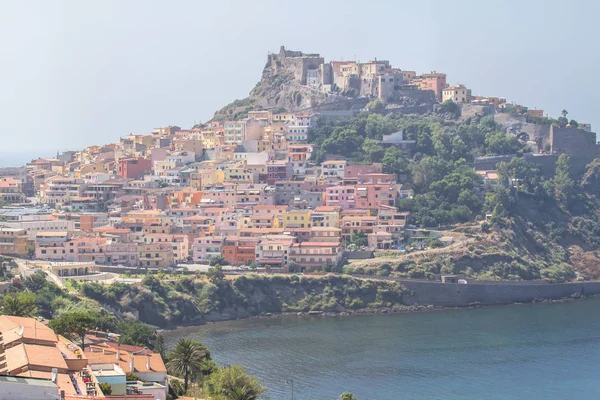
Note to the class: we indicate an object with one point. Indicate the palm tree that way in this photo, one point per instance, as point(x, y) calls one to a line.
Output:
point(233, 383)
point(240, 393)
point(19, 305)
point(564, 113)
point(186, 359)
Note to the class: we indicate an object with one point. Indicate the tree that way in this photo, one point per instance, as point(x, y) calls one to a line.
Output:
point(19, 305)
point(394, 161)
point(215, 274)
point(136, 333)
point(562, 121)
point(186, 359)
point(564, 113)
point(72, 324)
point(293, 266)
point(176, 388)
point(35, 282)
point(375, 106)
point(564, 185)
point(132, 377)
point(159, 346)
point(451, 108)
point(499, 143)
point(218, 260)
point(233, 383)
point(373, 151)
point(573, 123)
point(348, 396)
point(358, 239)
point(591, 179)
point(106, 388)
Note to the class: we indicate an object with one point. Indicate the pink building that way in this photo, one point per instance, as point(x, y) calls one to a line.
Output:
point(343, 196)
point(121, 253)
point(380, 240)
point(353, 171)
point(310, 256)
point(371, 196)
point(273, 250)
point(207, 247)
point(325, 234)
point(179, 244)
point(376, 178)
point(133, 168)
point(278, 170)
point(58, 246)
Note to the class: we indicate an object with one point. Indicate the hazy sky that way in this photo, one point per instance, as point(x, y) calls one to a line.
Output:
point(76, 73)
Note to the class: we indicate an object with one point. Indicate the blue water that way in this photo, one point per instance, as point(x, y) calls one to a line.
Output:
point(543, 351)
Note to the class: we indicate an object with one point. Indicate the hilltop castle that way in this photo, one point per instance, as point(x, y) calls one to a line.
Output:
point(373, 79)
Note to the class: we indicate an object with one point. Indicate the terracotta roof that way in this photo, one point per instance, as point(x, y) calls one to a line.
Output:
point(33, 355)
point(327, 208)
point(108, 356)
point(316, 244)
point(33, 330)
point(264, 207)
point(8, 182)
point(111, 229)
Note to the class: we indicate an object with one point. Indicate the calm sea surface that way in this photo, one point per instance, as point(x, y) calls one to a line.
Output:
point(544, 351)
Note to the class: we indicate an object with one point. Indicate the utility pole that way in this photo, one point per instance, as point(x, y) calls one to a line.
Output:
point(291, 382)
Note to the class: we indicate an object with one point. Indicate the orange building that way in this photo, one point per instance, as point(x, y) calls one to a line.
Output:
point(432, 81)
point(239, 250)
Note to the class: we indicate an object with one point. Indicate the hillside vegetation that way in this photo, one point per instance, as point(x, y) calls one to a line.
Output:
point(541, 227)
point(188, 301)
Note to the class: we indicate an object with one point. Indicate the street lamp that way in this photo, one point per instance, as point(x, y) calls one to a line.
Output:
point(291, 382)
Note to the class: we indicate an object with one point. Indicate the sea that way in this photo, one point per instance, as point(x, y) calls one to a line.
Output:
point(533, 351)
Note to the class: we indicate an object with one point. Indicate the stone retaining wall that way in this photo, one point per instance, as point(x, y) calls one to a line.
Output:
point(455, 295)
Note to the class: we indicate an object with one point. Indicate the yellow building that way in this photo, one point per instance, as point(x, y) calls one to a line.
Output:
point(11, 190)
point(458, 94)
point(238, 174)
point(13, 242)
point(155, 255)
point(282, 117)
point(326, 216)
point(295, 219)
point(206, 177)
point(88, 169)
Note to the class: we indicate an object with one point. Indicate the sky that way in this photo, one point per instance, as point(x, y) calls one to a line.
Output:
point(76, 73)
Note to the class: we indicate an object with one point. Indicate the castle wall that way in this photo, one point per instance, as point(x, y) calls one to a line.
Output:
point(579, 144)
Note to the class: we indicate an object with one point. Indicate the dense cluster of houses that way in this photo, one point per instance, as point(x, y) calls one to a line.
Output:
point(36, 363)
point(246, 190)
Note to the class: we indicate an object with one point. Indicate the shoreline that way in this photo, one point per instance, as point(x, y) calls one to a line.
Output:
point(366, 311)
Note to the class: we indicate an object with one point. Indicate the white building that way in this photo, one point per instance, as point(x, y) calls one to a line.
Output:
point(19, 388)
point(234, 132)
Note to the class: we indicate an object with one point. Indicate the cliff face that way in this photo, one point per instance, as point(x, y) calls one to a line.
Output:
point(280, 89)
